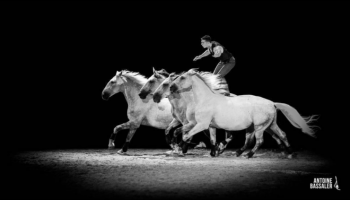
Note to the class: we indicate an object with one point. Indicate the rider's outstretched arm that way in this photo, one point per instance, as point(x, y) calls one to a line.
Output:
point(206, 53)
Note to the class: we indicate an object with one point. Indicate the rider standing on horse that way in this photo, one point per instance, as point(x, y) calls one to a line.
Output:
point(227, 61)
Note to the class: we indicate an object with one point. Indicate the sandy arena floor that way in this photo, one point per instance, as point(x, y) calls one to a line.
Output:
point(150, 173)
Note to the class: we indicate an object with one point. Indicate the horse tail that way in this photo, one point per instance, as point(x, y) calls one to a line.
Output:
point(297, 120)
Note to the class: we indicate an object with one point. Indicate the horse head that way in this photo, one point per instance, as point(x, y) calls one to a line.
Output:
point(113, 86)
point(163, 89)
point(153, 82)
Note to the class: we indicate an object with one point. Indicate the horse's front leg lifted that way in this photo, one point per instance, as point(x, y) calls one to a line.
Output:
point(224, 143)
point(118, 128)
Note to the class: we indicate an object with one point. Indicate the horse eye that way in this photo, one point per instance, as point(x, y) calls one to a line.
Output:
point(182, 77)
point(166, 84)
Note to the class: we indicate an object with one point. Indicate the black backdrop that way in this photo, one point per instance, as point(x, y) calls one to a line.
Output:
point(62, 55)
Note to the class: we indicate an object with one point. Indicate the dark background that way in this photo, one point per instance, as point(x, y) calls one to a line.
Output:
point(61, 55)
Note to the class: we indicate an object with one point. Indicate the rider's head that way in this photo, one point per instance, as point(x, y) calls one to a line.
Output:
point(206, 41)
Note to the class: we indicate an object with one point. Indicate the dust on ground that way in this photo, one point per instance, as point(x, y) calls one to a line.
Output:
point(153, 174)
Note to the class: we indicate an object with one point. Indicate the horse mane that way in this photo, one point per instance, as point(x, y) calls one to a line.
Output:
point(163, 72)
point(216, 84)
point(173, 75)
point(134, 77)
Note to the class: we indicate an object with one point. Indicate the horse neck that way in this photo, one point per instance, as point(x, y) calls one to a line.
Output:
point(183, 98)
point(187, 96)
point(200, 90)
point(130, 93)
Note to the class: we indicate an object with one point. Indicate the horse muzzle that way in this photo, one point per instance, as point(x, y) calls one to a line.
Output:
point(105, 96)
point(143, 95)
point(173, 88)
point(157, 97)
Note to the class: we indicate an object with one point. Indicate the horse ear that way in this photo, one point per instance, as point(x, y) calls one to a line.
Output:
point(154, 71)
point(118, 73)
point(173, 76)
point(164, 72)
point(193, 70)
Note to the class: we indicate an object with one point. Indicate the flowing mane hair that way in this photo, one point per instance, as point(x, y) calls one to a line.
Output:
point(134, 77)
point(163, 72)
point(215, 83)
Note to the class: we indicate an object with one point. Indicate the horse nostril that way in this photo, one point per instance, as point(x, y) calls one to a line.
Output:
point(105, 96)
point(156, 97)
point(173, 88)
point(142, 95)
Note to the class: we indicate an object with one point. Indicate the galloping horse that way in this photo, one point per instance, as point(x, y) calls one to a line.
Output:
point(140, 111)
point(183, 105)
point(147, 90)
point(253, 113)
point(179, 107)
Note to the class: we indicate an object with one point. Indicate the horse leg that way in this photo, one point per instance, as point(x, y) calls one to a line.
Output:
point(118, 128)
point(196, 129)
point(133, 127)
point(274, 136)
point(224, 143)
point(172, 124)
point(213, 141)
point(183, 129)
point(259, 140)
point(248, 139)
point(184, 146)
point(282, 135)
point(259, 133)
point(179, 130)
point(127, 142)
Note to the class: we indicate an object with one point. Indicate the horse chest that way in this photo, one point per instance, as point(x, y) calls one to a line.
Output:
point(135, 114)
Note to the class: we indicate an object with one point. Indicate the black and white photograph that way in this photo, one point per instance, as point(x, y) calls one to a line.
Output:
point(174, 99)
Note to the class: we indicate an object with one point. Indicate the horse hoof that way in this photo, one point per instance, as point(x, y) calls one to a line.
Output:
point(249, 155)
point(221, 148)
point(121, 152)
point(181, 154)
point(291, 156)
point(221, 151)
point(238, 153)
point(169, 152)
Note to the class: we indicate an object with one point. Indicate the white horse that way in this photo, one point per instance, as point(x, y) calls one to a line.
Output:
point(140, 111)
point(179, 107)
point(147, 90)
point(183, 105)
point(253, 113)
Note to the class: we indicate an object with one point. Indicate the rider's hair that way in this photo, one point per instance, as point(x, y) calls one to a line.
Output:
point(206, 38)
